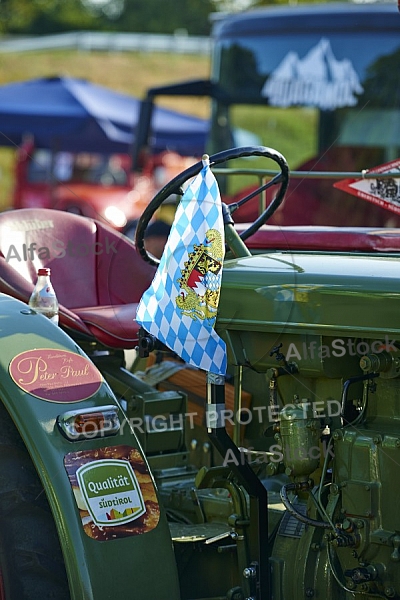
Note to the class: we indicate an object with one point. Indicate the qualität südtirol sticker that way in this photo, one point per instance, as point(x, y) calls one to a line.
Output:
point(111, 492)
point(114, 492)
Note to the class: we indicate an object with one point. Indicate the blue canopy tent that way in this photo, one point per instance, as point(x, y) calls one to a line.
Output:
point(69, 114)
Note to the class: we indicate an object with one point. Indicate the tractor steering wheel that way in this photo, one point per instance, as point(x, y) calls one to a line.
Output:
point(174, 187)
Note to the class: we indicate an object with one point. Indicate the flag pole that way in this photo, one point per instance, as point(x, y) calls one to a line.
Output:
point(179, 309)
point(258, 569)
point(216, 414)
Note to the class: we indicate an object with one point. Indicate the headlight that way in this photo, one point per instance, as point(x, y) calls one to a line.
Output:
point(115, 216)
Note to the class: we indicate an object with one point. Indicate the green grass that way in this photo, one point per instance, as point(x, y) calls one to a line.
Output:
point(7, 157)
point(289, 131)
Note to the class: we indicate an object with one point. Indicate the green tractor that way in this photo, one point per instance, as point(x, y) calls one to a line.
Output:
point(147, 478)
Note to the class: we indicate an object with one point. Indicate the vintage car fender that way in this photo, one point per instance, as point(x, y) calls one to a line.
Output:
point(109, 565)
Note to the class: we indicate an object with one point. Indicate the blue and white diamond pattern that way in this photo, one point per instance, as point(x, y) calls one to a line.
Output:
point(194, 340)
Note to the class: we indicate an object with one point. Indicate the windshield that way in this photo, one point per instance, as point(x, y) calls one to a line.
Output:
point(81, 167)
point(346, 79)
point(320, 84)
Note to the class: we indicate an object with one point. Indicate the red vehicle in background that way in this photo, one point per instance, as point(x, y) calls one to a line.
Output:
point(75, 140)
point(94, 185)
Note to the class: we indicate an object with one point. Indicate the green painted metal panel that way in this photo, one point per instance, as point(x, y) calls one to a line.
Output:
point(321, 295)
point(99, 570)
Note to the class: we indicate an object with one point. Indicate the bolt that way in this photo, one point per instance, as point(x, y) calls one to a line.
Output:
point(390, 592)
point(206, 447)
point(315, 547)
point(309, 593)
point(232, 520)
point(249, 572)
point(334, 489)
point(351, 585)
point(193, 444)
point(359, 523)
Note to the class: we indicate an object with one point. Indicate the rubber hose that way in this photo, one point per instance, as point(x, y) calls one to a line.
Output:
point(290, 508)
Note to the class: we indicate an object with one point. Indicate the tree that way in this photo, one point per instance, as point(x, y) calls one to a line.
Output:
point(164, 16)
point(46, 16)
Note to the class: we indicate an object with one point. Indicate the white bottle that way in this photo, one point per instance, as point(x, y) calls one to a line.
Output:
point(43, 299)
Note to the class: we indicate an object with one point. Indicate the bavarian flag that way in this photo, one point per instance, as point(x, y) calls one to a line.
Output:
point(180, 306)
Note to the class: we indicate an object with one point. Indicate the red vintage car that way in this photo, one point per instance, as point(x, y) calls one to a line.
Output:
point(94, 185)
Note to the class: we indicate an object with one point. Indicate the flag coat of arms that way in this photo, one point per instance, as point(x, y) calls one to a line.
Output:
point(180, 306)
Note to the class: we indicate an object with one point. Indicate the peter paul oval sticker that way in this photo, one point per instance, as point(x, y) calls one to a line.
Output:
point(55, 375)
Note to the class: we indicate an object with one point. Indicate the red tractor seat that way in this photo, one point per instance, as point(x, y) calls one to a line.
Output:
point(96, 272)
